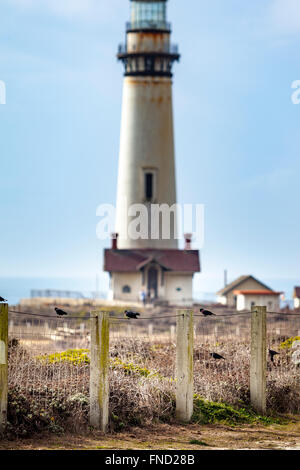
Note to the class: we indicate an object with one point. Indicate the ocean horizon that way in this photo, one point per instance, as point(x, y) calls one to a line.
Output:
point(15, 289)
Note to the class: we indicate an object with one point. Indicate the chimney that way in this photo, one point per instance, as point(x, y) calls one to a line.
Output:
point(225, 278)
point(114, 241)
point(188, 241)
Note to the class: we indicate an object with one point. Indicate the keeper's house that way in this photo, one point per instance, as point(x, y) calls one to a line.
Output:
point(297, 298)
point(247, 291)
point(168, 274)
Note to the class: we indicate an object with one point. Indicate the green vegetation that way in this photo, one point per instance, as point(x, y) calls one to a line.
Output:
point(81, 356)
point(206, 412)
point(198, 443)
point(26, 417)
point(73, 356)
point(289, 342)
point(130, 368)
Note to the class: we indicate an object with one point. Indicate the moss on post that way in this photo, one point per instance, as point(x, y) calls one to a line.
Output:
point(99, 372)
point(184, 365)
point(258, 367)
point(3, 365)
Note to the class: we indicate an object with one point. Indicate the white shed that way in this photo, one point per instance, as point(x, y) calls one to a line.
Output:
point(246, 299)
point(227, 296)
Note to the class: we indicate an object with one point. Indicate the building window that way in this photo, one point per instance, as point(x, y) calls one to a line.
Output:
point(149, 186)
point(126, 290)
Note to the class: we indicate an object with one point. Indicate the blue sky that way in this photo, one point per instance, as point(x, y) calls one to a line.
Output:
point(237, 133)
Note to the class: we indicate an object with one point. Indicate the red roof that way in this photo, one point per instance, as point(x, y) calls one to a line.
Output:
point(256, 292)
point(135, 260)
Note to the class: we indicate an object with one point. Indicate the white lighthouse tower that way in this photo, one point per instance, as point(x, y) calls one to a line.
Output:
point(146, 162)
point(147, 167)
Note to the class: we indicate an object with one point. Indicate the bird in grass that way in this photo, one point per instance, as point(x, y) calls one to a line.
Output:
point(217, 356)
point(134, 315)
point(206, 313)
point(60, 312)
point(272, 354)
point(2, 300)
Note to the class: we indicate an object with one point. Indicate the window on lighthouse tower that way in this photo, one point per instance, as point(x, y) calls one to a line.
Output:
point(148, 186)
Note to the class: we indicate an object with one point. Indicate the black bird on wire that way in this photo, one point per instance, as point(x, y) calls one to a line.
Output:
point(134, 315)
point(60, 312)
point(272, 354)
point(217, 356)
point(206, 313)
point(2, 300)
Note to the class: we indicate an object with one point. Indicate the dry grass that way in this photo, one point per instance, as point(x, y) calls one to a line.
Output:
point(54, 395)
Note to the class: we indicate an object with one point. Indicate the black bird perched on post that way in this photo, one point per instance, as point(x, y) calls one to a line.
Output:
point(2, 300)
point(134, 315)
point(206, 313)
point(60, 312)
point(272, 354)
point(217, 356)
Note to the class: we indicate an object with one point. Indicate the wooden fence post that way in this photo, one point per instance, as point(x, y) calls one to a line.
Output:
point(129, 330)
point(3, 365)
point(172, 332)
point(184, 365)
point(258, 366)
point(99, 373)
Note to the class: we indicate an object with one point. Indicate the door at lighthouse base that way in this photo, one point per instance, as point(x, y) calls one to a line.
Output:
point(152, 282)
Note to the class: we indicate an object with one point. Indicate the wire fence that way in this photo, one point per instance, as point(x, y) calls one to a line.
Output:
point(49, 363)
point(222, 358)
point(283, 368)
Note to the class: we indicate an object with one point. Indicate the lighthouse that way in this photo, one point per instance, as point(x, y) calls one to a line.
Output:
point(144, 256)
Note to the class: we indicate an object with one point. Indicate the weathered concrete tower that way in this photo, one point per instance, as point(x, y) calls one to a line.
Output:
point(151, 265)
point(146, 162)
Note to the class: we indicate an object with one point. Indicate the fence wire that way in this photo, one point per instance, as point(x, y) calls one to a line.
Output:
point(142, 376)
point(222, 358)
point(283, 366)
point(49, 363)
